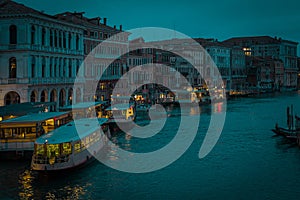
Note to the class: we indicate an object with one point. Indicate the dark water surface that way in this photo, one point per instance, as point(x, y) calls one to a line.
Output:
point(248, 162)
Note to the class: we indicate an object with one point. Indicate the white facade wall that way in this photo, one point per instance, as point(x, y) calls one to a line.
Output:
point(44, 56)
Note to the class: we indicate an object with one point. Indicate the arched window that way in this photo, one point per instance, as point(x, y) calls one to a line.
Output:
point(70, 68)
point(60, 39)
point(64, 40)
point(33, 96)
point(51, 67)
point(70, 96)
point(55, 38)
point(32, 34)
point(60, 67)
point(12, 67)
point(11, 98)
point(13, 34)
point(43, 37)
point(53, 97)
point(70, 40)
point(62, 97)
point(55, 69)
point(33, 67)
point(77, 42)
point(51, 38)
point(44, 96)
point(43, 68)
point(64, 68)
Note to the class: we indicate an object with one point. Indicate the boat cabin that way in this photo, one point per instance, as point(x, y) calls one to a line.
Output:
point(85, 109)
point(120, 112)
point(21, 132)
point(69, 145)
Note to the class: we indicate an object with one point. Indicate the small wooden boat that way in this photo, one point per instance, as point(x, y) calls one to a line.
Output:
point(288, 133)
point(293, 129)
point(69, 146)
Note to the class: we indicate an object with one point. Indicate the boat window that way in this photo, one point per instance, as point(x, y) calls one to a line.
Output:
point(87, 140)
point(52, 150)
point(94, 137)
point(18, 133)
point(40, 150)
point(77, 147)
point(66, 148)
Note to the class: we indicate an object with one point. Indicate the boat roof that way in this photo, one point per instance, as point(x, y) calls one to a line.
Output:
point(72, 131)
point(34, 117)
point(120, 106)
point(83, 105)
point(24, 108)
point(122, 97)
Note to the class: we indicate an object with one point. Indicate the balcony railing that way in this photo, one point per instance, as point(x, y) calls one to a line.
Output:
point(40, 81)
point(6, 81)
point(37, 47)
point(50, 81)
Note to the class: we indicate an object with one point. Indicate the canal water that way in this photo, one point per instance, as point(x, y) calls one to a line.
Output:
point(248, 162)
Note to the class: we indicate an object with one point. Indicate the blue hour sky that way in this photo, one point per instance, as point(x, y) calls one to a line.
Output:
point(209, 18)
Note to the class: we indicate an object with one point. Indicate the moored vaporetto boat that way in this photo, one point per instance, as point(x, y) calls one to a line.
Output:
point(71, 145)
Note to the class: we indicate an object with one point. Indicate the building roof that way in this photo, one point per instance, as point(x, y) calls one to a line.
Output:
point(80, 19)
point(121, 106)
point(84, 105)
point(253, 40)
point(34, 118)
point(73, 131)
point(11, 7)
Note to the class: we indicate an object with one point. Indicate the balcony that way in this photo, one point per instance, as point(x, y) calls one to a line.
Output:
point(37, 47)
point(7, 81)
point(51, 80)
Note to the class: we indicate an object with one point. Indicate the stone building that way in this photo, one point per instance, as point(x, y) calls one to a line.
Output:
point(266, 46)
point(104, 46)
point(40, 56)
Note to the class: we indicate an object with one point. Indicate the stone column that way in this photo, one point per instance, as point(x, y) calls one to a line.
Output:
point(74, 98)
point(28, 34)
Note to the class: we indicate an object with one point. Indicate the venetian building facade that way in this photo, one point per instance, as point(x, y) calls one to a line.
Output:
point(238, 70)
point(40, 57)
point(220, 54)
point(278, 48)
point(141, 70)
point(102, 46)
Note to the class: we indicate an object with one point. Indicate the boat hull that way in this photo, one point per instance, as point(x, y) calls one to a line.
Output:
point(289, 134)
point(73, 161)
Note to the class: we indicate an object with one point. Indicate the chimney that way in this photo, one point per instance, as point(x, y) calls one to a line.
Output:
point(94, 20)
point(104, 21)
point(121, 27)
point(80, 14)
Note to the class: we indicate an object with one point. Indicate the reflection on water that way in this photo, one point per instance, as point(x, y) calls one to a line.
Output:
point(247, 162)
point(25, 182)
